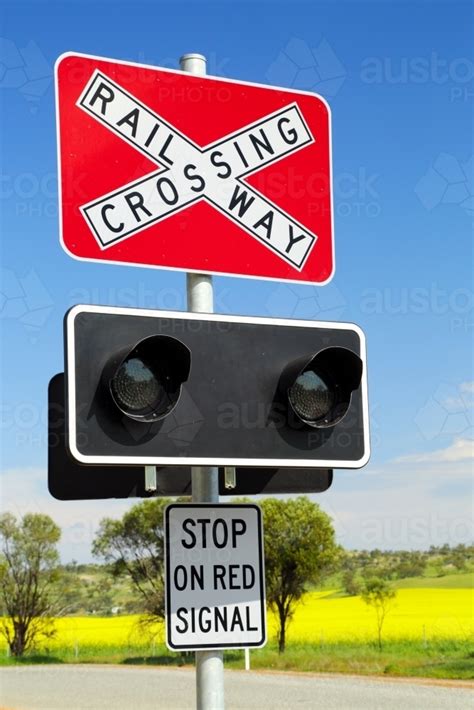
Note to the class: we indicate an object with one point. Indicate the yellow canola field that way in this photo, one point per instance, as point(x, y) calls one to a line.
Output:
point(102, 632)
point(415, 614)
point(76, 632)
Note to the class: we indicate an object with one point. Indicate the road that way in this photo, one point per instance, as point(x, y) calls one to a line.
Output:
point(83, 687)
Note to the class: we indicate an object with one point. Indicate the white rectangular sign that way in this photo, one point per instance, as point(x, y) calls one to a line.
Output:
point(215, 585)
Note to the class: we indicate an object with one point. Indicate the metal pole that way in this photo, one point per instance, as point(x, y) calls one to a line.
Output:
point(205, 479)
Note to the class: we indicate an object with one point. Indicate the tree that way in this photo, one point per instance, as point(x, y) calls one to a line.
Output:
point(29, 567)
point(350, 582)
point(300, 549)
point(378, 594)
point(350, 577)
point(100, 597)
point(134, 545)
point(410, 564)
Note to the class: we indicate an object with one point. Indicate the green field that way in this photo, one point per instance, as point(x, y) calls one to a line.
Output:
point(450, 581)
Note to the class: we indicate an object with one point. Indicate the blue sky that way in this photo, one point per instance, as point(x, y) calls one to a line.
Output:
point(400, 81)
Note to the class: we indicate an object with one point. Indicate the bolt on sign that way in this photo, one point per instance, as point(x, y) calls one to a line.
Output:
point(167, 169)
point(215, 585)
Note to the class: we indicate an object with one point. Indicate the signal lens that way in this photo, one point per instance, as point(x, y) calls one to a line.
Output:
point(146, 385)
point(318, 388)
point(310, 396)
point(136, 387)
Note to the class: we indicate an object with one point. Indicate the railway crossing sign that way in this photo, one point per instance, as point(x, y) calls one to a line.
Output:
point(167, 169)
point(215, 585)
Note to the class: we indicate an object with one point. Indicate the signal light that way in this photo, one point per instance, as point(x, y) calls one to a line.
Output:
point(161, 388)
point(319, 390)
point(145, 381)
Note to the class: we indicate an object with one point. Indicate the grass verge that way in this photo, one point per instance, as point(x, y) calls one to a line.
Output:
point(442, 659)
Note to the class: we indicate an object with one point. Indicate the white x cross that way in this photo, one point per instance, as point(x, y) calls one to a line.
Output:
point(188, 172)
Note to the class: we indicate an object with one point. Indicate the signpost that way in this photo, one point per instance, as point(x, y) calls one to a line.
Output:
point(215, 590)
point(178, 170)
point(209, 175)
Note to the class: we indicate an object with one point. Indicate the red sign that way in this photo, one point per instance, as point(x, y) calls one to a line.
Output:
point(167, 169)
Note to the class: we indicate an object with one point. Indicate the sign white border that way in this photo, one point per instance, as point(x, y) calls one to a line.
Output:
point(203, 461)
point(168, 590)
point(201, 78)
